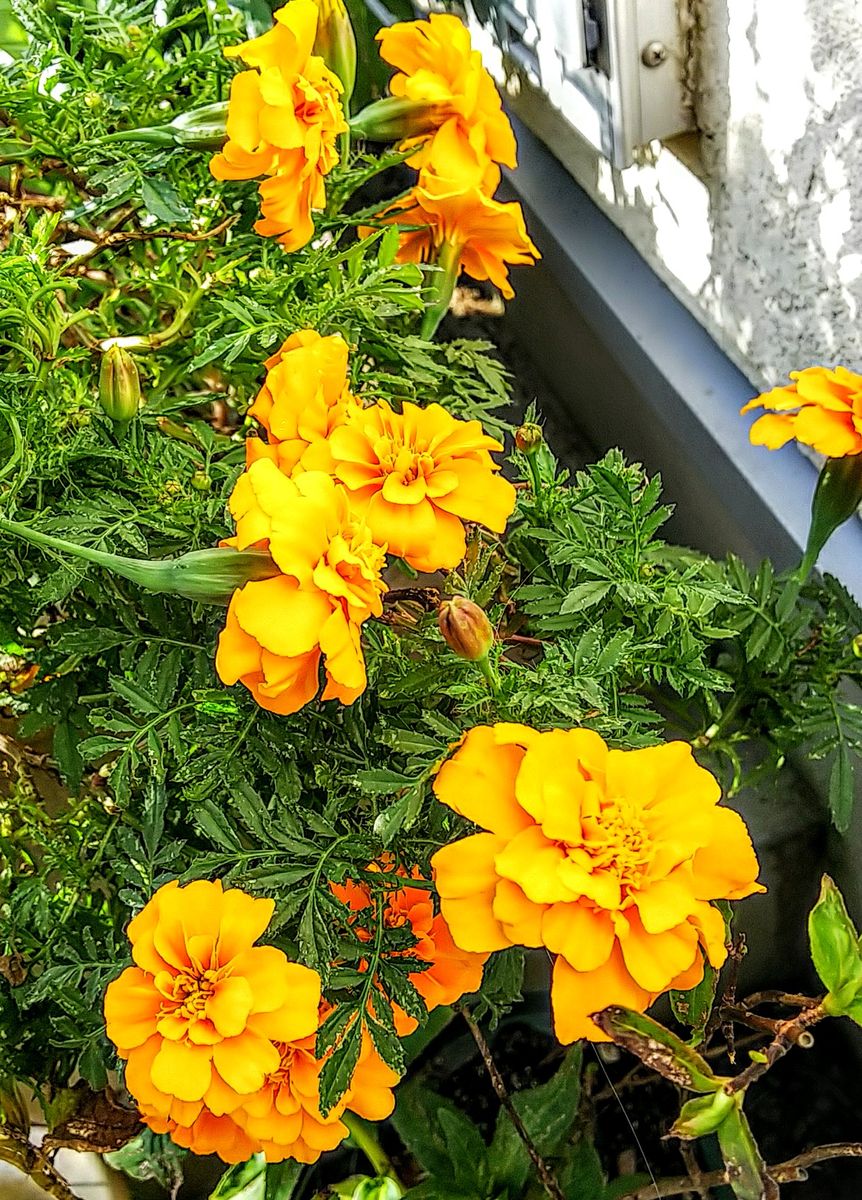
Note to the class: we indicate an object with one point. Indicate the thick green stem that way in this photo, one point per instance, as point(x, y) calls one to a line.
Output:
point(364, 1138)
point(490, 673)
point(443, 286)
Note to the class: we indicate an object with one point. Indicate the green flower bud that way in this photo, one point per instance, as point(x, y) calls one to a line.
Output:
point(207, 576)
point(119, 387)
point(391, 119)
point(836, 498)
point(528, 438)
point(201, 128)
point(336, 43)
point(465, 628)
point(857, 645)
point(201, 482)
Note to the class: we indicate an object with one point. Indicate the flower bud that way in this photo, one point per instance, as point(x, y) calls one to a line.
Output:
point(206, 576)
point(201, 482)
point(336, 44)
point(836, 498)
point(203, 128)
point(465, 628)
point(528, 438)
point(119, 387)
point(856, 645)
point(393, 118)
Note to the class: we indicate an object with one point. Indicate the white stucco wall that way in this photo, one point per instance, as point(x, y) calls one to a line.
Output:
point(762, 238)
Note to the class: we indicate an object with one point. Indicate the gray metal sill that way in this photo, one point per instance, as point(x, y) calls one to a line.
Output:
point(634, 369)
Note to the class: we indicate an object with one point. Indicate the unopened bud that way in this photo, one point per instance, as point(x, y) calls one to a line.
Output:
point(336, 44)
point(201, 482)
point(465, 628)
point(207, 576)
point(201, 128)
point(119, 387)
point(857, 645)
point(393, 118)
point(528, 438)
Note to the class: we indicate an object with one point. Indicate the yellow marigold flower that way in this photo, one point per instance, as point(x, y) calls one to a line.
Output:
point(200, 1016)
point(305, 396)
point(284, 117)
point(822, 408)
point(450, 218)
point(278, 629)
point(452, 972)
point(285, 1117)
point(438, 66)
point(417, 476)
point(608, 858)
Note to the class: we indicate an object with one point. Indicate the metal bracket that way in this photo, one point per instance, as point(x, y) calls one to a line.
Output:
point(617, 71)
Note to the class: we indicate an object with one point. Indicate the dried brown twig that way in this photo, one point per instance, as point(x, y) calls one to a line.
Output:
point(544, 1172)
point(794, 1170)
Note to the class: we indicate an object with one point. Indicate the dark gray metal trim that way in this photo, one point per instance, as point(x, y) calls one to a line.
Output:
point(634, 368)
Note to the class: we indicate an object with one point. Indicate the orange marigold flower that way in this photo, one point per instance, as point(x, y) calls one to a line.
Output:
point(608, 858)
point(201, 1015)
point(452, 972)
point(284, 116)
point(305, 396)
point(285, 1118)
point(449, 217)
point(278, 629)
point(438, 66)
point(822, 408)
point(417, 476)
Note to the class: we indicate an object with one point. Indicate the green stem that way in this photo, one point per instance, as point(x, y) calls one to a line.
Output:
point(536, 480)
point(364, 1138)
point(448, 262)
point(489, 671)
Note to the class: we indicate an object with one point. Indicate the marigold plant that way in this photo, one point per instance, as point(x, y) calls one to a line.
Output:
point(822, 408)
point(278, 630)
point(199, 1017)
point(284, 118)
point(437, 67)
point(417, 476)
point(449, 215)
point(607, 858)
point(304, 397)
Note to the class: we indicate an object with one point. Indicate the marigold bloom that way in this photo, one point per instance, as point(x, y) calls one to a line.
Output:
point(438, 66)
point(456, 221)
point(452, 972)
point(285, 1118)
point(278, 629)
point(822, 408)
point(305, 396)
point(416, 476)
point(200, 1016)
point(284, 116)
point(608, 858)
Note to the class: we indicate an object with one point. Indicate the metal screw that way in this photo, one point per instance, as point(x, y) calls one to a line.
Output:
point(653, 54)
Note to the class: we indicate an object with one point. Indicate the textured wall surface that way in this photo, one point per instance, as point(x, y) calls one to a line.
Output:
point(762, 239)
